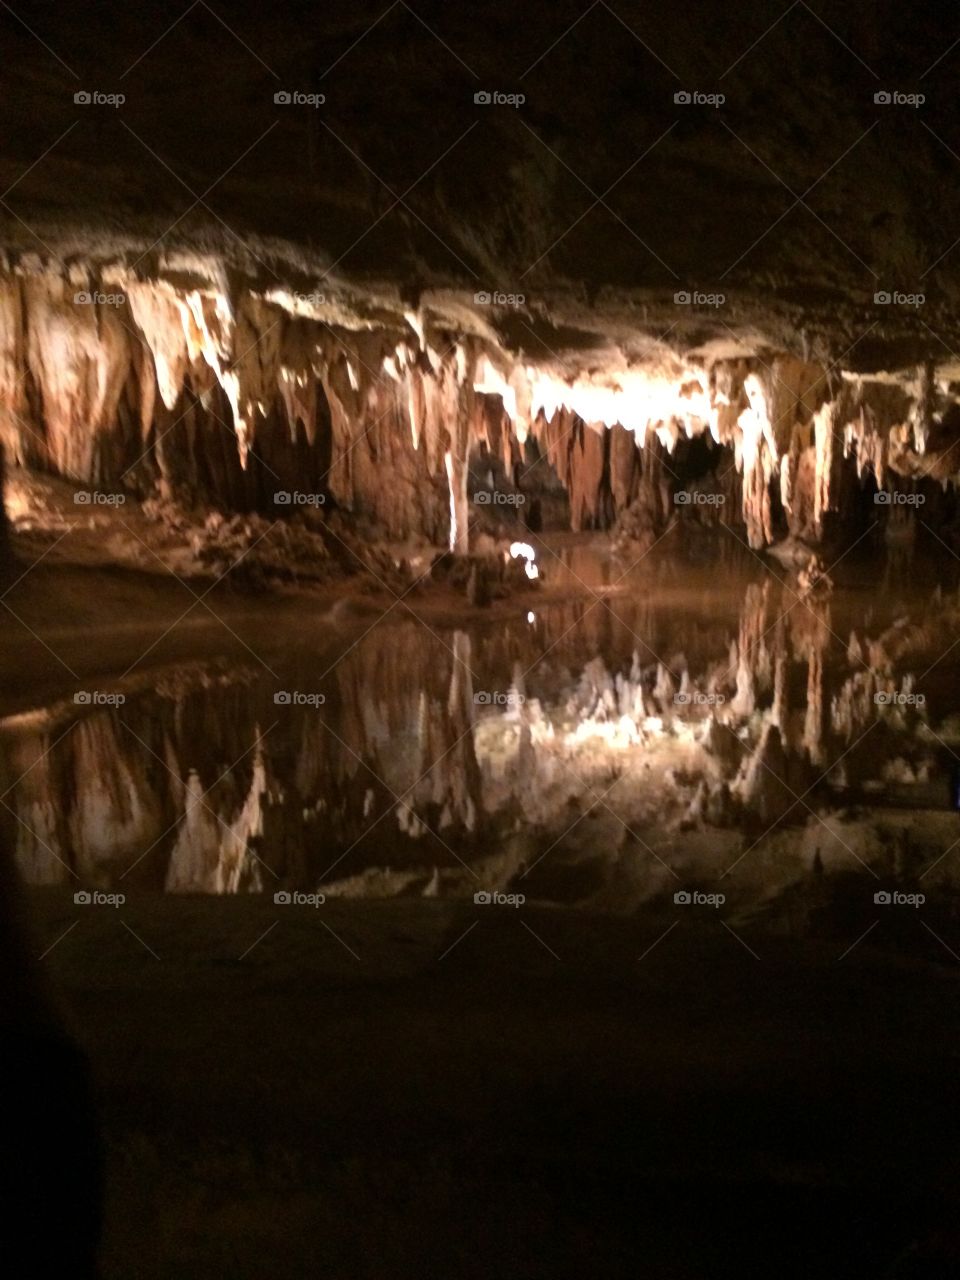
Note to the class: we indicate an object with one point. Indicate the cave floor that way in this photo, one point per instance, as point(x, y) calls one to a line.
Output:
point(420, 1088)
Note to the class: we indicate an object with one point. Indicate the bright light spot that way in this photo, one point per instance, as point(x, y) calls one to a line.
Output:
point(635, 398)
point(619, 734)
point(524, 550)
point(488, 380)
point(531, 616)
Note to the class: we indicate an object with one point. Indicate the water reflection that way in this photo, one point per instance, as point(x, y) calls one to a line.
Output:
point(660, 724)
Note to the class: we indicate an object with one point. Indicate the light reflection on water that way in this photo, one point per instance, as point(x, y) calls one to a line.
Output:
point(430, 750)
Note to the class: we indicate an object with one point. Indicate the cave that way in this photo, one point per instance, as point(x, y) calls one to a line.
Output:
point(479, 699)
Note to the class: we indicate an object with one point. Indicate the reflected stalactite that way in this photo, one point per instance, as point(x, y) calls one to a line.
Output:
point(426, 752)
point(752, 655)
point(450, 785)
point(213, 854)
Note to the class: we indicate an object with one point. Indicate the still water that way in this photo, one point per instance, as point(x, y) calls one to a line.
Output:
point(403, 756)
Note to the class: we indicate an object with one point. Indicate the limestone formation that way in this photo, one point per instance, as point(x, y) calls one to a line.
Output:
point(193, 386)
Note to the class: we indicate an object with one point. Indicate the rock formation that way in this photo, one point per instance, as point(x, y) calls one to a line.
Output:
point(197, 385)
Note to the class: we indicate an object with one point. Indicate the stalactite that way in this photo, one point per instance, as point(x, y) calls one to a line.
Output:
point(586, 469)
point(413, 395)
point(78, 356)
point(624, 466)
point(6, 550)
point(20, 442)
point(158, 314)
point(825, 454)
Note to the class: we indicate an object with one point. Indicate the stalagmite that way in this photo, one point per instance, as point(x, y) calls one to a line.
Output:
point(665, 689)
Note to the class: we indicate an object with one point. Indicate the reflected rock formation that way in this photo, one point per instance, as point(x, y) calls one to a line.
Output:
point(430, 759)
